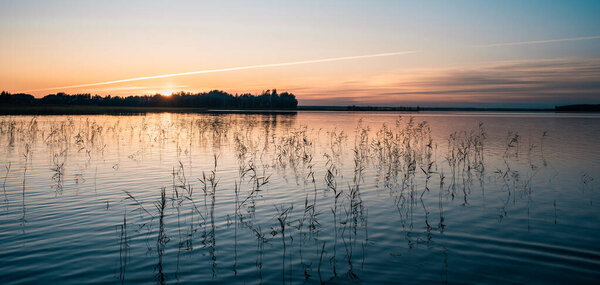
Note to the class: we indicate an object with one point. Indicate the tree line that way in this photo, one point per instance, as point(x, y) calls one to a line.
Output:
point(215, 99)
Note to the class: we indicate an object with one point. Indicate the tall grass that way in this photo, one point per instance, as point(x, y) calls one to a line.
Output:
point(330, 170)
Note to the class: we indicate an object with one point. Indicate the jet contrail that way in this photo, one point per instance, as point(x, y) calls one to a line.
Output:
point(303, 62)
point(538, 42)
point(229, 69)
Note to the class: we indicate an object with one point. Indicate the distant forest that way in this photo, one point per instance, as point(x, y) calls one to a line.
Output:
point(579, 108)
point(214, 99)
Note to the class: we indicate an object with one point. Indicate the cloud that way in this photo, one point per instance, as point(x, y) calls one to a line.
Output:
point(541, 83)
point(537, 42)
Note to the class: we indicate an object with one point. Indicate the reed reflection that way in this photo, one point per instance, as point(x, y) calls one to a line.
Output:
point(317, 198)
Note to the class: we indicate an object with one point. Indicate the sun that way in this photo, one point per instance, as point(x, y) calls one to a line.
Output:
point(167, 92)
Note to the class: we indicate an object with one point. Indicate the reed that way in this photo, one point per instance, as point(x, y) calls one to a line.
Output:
point(333, 171)
point(7, 167)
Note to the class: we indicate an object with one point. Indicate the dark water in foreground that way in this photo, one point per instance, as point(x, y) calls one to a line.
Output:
point(306, 198)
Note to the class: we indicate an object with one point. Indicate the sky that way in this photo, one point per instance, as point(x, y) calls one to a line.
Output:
point(390, 53)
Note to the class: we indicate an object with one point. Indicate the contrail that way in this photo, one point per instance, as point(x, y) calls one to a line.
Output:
point(537, 42)
point(229, 69)
point(303, 62)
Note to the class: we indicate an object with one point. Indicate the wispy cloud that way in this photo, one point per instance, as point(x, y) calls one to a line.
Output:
point(537, 42)
point(516, 83)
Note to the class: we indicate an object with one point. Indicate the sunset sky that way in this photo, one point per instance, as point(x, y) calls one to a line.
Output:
point(446, 53)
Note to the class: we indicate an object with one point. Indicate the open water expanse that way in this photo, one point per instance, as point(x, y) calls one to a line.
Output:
point(307, 197)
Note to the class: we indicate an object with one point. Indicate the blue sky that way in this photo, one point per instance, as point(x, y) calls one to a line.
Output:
point(49, 44)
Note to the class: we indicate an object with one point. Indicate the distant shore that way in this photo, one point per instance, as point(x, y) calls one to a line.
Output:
point(117, 110)
point(269, 101)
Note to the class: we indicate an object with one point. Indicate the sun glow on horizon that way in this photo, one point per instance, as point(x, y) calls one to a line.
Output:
point(167, 92)
point(163, 92)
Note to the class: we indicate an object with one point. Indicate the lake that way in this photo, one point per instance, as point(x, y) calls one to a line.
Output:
point(307, 197)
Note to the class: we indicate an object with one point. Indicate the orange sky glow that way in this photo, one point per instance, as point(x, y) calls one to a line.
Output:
point(323, 53)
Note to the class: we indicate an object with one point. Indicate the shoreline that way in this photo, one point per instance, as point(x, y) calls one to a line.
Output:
point(123, 110)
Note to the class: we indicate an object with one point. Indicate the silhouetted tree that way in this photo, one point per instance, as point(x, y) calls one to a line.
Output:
point(216, 99)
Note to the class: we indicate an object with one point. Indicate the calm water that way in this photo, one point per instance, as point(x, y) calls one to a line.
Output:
point(309, 197)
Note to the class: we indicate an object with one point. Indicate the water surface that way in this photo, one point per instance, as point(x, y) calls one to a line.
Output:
point(311, 197)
